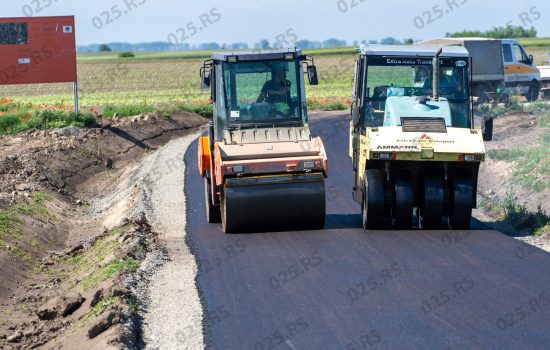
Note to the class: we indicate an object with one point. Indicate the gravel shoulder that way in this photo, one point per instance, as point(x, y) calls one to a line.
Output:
point(173, 317)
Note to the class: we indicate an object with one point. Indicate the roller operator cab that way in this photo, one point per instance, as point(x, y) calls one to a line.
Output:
point(262, 169)
point(415, 151)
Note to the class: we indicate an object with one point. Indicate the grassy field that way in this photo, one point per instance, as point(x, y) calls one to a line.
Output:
point(99, 57)
point(161, 82)
point(161, 79)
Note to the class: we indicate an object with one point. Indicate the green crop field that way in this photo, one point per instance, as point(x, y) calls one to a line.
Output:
point(535, 42)
point(160, 79)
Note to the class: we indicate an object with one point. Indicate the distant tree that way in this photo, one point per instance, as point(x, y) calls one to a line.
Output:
point(511, 32)
point(390, 41)
point(303, 44)
point(408, 41)
point(334, 43)
point(465, 34)
point(372, 42)
point(104, 48)
point(315, 45)
point(208, 46)
point(126, 54)
point(239, 46)
point(264, 44)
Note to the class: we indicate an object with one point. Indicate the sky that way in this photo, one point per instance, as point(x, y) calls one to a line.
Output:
point(194, 22)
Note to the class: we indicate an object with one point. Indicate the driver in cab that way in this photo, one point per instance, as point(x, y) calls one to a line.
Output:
point(276, 90)
point(447, 79)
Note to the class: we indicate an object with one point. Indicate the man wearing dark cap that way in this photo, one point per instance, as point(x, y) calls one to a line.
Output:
point(276, 90)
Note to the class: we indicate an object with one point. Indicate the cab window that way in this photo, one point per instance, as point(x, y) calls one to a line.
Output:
point(519, 54)
point(507, 53)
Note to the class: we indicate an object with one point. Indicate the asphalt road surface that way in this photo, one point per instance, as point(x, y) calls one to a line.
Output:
point(350, 289)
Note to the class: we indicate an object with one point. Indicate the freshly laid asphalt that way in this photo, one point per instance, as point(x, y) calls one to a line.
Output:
point(350, 289)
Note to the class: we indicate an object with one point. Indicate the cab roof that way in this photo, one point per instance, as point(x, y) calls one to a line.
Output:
point(418, 51)
point(256, 55)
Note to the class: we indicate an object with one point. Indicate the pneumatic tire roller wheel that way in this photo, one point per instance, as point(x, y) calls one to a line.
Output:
point(402, 208)
point(273, 207)
point(461, 192)
point(372, 208)
point(432, 205)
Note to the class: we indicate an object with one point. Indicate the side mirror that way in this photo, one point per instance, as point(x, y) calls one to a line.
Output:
point(312, 75)
point(531, 59)
point(205, 79)
point(488, 130)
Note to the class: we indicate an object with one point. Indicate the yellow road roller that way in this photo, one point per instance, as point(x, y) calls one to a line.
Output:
point(414, 147)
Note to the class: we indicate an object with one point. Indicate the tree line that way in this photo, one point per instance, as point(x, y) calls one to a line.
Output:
point(508, 31)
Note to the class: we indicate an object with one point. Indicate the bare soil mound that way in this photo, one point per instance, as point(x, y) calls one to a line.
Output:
point(64, 268)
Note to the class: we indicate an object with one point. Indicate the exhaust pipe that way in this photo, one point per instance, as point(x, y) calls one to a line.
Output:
point(435, 78)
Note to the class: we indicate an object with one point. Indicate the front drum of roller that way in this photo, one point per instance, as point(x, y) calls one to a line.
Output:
point(274, 207)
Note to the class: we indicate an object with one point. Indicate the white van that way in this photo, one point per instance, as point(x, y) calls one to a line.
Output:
point(496, 64)
point(520, 73)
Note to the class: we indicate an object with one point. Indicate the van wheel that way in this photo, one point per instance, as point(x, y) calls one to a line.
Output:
point(534, 91)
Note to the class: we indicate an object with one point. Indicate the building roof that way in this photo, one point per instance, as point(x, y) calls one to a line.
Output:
point(256, 55)
point(420, 51)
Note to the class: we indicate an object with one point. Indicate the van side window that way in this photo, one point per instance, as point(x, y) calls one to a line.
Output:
point(507, 52)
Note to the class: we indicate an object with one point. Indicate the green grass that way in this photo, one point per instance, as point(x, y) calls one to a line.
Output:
point(535, 42)
point(40, 197)
point(515, 106)
point(19, 253)
point(532, 165)
point(98, 308)
point(11, 225)
point(85, 264)
point(35, 207)
point(103, 57)
point(113, 267)
point(16, 117)
point(515, 214)
point(127, 110)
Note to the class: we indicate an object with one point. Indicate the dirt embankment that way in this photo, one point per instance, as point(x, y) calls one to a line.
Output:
point(513, 183)
point(516, 133)
point(75, 231)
